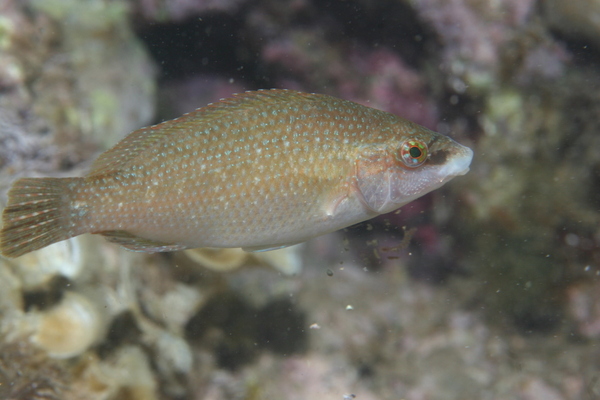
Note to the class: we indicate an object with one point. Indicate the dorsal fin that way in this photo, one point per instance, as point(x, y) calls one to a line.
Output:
point(255, 97)
point(127, 149)
point(140, 140)
point(130, 146)
point(251, 99)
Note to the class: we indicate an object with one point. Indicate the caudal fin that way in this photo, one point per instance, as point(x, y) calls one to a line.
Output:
point(36, 215)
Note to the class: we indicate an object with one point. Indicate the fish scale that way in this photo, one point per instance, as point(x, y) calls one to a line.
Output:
point(260, 170)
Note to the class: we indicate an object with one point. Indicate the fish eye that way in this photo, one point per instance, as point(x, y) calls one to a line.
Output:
point(413, 153)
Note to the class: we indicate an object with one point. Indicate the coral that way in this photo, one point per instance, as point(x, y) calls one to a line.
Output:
point(584, 309)
point(36, 270)
point(286, 260)
point(100, 45)
point(69, 328)
point(472, 36)
point(62, 86)
point(555, 144)
point(124, 375)
point(27, 374)
point(375, 77)
point(579, 19)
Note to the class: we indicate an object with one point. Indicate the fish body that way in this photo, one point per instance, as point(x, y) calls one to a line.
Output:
point(260, 170)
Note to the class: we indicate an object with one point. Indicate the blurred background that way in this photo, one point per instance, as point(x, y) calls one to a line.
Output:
point(487, 288)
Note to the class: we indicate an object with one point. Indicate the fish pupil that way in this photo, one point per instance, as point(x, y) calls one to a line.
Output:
point(415, 152)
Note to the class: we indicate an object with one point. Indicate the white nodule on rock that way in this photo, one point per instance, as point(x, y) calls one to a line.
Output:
point(69, 328)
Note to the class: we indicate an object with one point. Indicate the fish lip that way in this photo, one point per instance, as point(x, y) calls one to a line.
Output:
point(464, 171)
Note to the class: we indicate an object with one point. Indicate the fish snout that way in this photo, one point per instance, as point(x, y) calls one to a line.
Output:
point(458, 163)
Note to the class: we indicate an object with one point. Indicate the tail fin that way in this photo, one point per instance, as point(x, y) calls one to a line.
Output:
point(36, 216)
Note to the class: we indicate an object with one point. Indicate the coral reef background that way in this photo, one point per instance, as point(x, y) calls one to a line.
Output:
point(488, 288)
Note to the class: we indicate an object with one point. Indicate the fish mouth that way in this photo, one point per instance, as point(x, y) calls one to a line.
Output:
point(458, 164)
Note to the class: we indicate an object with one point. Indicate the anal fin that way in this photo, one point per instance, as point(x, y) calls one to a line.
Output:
point(258, 249)
point(136, 243)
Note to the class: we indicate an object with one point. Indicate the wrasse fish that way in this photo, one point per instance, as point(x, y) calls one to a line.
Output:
point(260, 170)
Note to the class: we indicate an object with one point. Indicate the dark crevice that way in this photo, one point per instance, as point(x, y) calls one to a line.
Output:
point(389, 23)
point(238, 332)
point(208, 45)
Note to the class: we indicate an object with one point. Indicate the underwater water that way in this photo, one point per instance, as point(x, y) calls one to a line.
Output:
point(486, 288)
